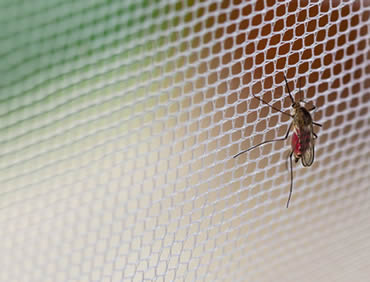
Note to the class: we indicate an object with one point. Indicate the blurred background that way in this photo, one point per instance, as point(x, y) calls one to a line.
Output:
point(119, 120)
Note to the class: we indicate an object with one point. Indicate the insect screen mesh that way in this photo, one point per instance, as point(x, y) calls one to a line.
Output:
point(119, 120)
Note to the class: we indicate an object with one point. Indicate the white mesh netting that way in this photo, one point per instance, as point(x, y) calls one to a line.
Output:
point(119, 120)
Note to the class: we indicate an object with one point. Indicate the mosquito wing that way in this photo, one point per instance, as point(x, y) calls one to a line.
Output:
point(308, 155)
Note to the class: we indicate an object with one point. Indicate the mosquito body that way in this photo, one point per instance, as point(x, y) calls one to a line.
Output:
point(303, 137)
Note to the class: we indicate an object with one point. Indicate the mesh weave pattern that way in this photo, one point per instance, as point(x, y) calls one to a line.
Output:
point(119, 120)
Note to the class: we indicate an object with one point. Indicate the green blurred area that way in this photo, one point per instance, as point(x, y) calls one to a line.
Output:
point(73, 69)
point(44, 41)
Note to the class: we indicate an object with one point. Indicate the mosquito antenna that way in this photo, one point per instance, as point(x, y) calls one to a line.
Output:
point(300, 90)
point(287, 87)
point(276, 109)
point(291, 179)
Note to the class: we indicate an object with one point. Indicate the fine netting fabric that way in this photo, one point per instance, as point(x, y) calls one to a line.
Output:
point(120, 120)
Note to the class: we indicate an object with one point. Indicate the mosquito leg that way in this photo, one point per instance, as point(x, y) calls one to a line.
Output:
point(287, 161)
point(314, 134)
point(312, 109)
point(291, 178)
point(265, 142)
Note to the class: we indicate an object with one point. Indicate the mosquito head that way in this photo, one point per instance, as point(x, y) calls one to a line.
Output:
point(295, 107)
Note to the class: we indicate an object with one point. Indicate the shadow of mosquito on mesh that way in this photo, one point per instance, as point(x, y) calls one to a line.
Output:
point(303, 136)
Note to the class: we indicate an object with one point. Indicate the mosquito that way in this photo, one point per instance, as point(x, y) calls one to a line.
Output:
point(303, 138)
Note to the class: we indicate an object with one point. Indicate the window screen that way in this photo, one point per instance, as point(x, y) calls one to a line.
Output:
point(120, 119)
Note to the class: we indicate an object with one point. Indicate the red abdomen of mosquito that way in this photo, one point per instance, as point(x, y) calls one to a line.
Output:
point(296, 145)
point(300, 141)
